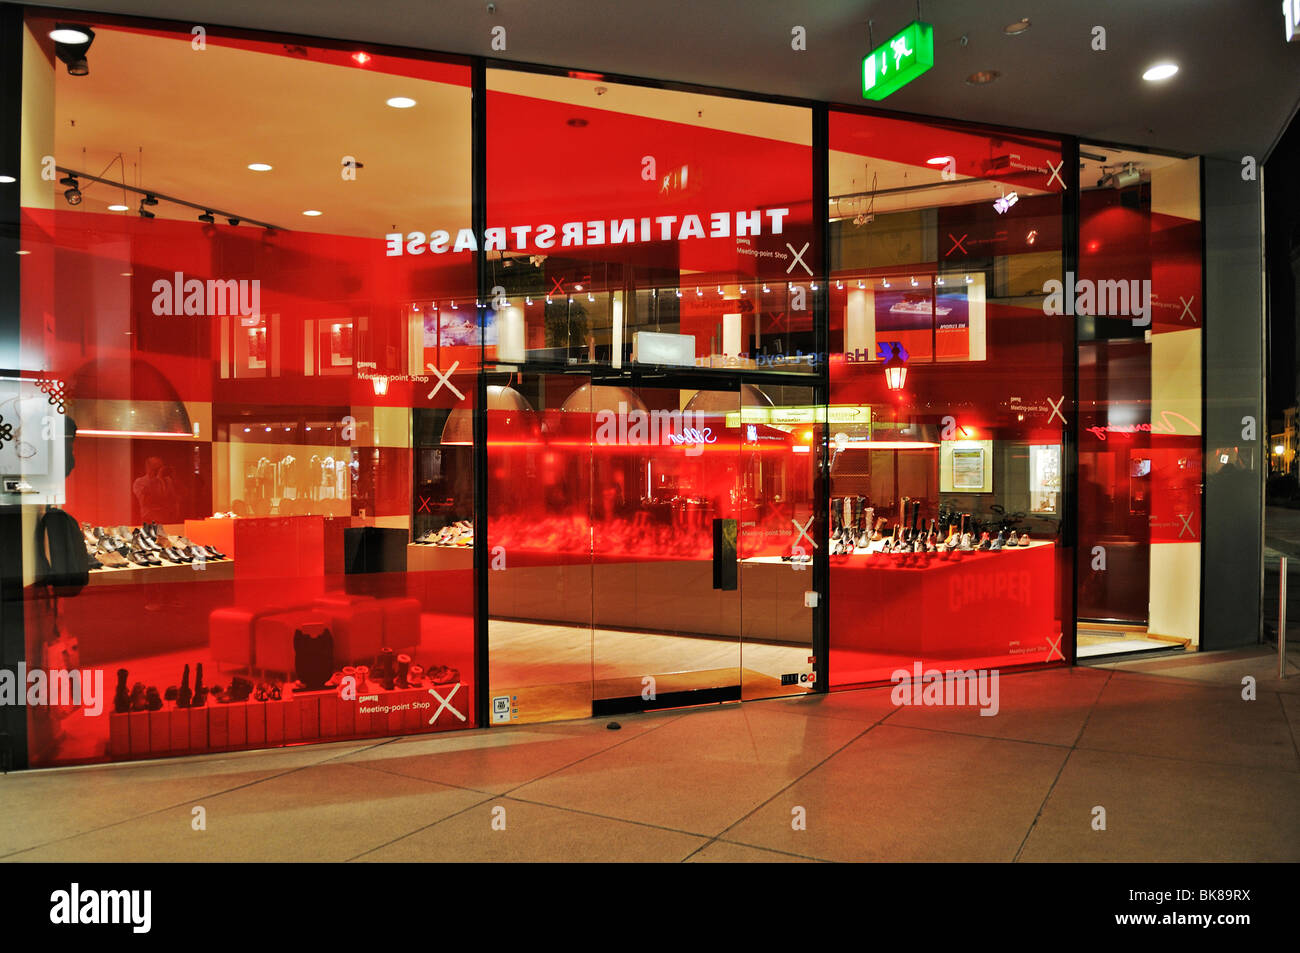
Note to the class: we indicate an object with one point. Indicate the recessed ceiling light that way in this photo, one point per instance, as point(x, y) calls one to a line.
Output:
point(312, 212)
point(361, 58)
point(22, 252)
point(117, 208)
point(1160, 71)
point(6, 179)
point(401, 102)
point(576, 122)
point(258, 167)
point(982, 78)
point(127, 274)
point(1014, 29)
point(69, 34)
point(938, 160)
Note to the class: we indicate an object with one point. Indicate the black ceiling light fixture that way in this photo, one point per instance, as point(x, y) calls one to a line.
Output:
point(233, 221)
point(144, 212)
point(73, 191)
point(71, 43)
point(207, 218)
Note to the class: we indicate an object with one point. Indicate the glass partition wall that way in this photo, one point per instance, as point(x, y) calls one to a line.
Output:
point(253, 396)
point(702, 412)
point(951, 400)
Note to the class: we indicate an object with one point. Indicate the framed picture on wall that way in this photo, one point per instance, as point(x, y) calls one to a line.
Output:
point(964, 466)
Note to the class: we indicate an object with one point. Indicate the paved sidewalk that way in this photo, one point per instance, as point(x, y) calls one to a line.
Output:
point(1184, 768)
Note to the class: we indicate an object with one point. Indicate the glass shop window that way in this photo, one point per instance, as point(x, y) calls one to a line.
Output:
point(249, 388)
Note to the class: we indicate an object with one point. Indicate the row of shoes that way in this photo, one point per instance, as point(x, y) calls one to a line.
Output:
point(955, 543)
point(140, 698)
point(116, 547)
point(459, 533)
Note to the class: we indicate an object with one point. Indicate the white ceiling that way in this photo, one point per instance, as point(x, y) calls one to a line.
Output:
point(1236, 91)
point(188, 124)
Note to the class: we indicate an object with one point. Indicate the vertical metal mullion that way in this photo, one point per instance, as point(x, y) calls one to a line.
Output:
point(478, 185)
point(821, 392)
point(13, 644)
point(1070, 515)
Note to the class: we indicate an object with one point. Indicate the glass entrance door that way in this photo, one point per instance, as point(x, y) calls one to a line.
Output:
point(650, 545)
point(666, 507)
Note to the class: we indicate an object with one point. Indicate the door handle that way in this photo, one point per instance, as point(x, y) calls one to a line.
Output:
point(724, 554)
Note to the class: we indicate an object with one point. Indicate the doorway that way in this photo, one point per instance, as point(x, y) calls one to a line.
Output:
point(650, 542)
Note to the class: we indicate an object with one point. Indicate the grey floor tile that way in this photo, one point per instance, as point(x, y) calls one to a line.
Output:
point(899, 794)
point(1158, 809)
point(700, 773)
point(326, 812)
point(536, 833)
point(1142, 714)
point(498, 760)
point(43, 806)
point(725, 852)
point(1049, 707)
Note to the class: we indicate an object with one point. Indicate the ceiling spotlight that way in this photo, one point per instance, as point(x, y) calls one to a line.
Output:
point(361, 59)
point(71, 33)
point(577, 122)
point(938, 160)
point(71, 42)
point(6, 179)
point(1160, 71)
point(311, 212)
point(148, 200)
point(401, 102)
point(1015, 29)
point(258, 167)
point(232, 221)
point(117, 208)
point(982, 78)
point(73, 191)
point(144, 212)
point(206, 218)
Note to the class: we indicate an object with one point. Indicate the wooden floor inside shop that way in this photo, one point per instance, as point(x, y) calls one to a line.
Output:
point(551, 671)
point(1102, 639)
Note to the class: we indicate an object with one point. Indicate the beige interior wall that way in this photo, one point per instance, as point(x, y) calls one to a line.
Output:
point(1175, 567)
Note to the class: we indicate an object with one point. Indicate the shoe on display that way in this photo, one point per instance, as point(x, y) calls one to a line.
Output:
point(121, 698)
point(1011, 540)
point(998, 543)
point(1024, 539)
point(138, 697)
point(200, 691)
point(967, 543)
point(984, 542)
point(153, 701)
point(184, 695)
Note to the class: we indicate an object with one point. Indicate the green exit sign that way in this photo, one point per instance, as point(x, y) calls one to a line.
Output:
point(898, 61)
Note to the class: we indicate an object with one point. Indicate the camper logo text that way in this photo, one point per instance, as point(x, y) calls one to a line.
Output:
point(133, 908)
point(190, 296)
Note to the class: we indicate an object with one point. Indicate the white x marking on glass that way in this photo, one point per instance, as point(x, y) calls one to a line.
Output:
point(445, 379)
point(798, 258)
point(445, 703)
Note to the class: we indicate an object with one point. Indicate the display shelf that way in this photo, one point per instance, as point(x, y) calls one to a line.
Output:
point(306, 716)
point(214, 570)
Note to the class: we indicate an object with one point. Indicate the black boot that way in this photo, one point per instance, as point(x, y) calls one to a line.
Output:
point(403, 669)
point(138, 702)
point(153, 701)
point(200, 693)
point(121, 700)
point(184, 696)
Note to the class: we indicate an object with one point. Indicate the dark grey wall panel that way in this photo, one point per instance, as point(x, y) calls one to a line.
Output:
point(1234, 389)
